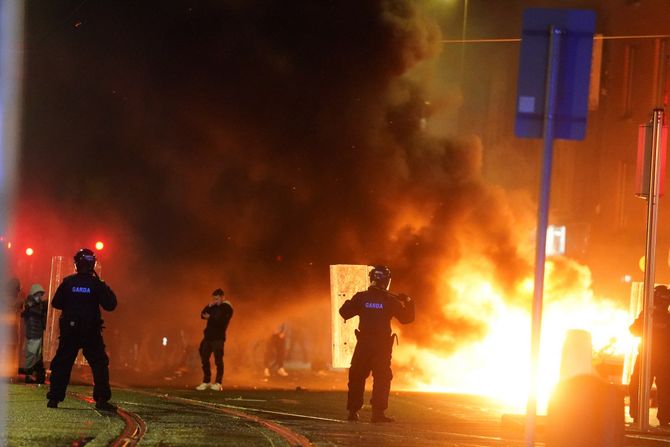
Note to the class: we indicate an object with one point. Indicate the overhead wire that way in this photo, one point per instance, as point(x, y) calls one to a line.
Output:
point(518, 39)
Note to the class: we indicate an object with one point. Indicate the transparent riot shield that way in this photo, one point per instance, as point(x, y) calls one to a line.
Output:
point(59, 270)
point(345, 281)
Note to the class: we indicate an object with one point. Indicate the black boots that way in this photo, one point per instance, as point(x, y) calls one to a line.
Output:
point(53, 403)
point(379, 416)
point(104, 406)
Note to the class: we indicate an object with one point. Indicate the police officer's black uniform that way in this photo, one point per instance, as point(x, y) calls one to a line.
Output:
point(80, 297)
point(660, 361)
point(374, 345)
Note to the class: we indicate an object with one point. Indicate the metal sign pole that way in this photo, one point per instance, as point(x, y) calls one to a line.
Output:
point(541, 232)
point(649, 269)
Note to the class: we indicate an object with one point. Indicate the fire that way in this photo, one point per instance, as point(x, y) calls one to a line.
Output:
point(497, 364)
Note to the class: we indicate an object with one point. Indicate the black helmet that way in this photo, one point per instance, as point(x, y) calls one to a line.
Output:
point(84, 260)
point(380, 276)
point(661, 291)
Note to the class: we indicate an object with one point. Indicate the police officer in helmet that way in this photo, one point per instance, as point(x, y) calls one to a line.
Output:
point(660, 362)
point(375, 308)
point(80, 297)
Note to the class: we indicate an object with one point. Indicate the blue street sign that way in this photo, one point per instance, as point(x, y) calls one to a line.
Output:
point(576, 29)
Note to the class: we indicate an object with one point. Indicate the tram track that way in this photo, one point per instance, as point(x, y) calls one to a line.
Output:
point(134, 426)
point(292, 438)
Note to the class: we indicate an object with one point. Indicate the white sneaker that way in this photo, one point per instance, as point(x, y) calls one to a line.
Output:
point(282, 372)
point(202, 387)
point(266, 372)
point(215, 386)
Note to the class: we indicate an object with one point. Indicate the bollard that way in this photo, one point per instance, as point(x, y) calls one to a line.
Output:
point(576, 358)
point(584, 410)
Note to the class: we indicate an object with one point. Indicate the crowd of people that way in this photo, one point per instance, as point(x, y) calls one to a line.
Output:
point(81, 297)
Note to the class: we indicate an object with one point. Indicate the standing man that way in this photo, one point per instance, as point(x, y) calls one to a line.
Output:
point(375, 307)
point(275, 351)
point(80, 297)
point(35, 320)
point(660, 362)
point(218, 314)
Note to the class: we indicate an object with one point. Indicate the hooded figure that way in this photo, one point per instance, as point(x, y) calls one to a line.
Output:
point(35, 321)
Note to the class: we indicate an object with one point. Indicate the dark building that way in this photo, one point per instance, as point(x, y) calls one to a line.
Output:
point(593, 181)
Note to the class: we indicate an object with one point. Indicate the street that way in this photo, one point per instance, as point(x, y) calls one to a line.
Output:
point(258, 417)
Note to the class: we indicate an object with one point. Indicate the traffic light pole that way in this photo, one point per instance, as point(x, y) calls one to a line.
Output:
point(649, 269)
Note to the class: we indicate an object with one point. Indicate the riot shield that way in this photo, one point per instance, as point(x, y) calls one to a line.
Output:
point(345, 281)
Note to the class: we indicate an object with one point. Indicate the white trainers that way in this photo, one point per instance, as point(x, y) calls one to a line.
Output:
point(282, 372)
point(215, 386)
point(202, 387)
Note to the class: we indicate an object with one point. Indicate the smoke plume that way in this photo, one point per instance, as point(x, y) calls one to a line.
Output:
point(249, 145)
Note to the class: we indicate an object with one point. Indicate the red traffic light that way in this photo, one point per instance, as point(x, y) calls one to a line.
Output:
point(99, 245)
point(30, 251)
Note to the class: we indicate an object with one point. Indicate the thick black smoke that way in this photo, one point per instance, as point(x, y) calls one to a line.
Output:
point(248, 145)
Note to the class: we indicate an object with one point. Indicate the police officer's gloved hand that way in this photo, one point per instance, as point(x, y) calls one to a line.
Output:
point(404, 298)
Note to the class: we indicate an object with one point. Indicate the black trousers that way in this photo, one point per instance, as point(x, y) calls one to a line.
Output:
point(660, 372)
point(370, 355)
point(275, 351)
point(93, 347)
point(207, 348)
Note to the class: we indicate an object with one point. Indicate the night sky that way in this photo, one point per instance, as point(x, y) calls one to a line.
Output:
point(248, 145)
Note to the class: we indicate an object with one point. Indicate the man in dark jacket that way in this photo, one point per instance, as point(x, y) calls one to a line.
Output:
point(80, 297)
point(375, 308)
point(218, 314)
point(35, 321)
point(660, 361)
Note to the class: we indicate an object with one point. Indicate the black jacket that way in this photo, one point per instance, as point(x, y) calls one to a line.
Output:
point(219, 318)
point(80, 297)
point(660, 335)
point(35, 316)
point(376, 308)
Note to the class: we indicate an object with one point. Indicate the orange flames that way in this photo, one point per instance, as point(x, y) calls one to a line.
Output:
point(498, 363)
